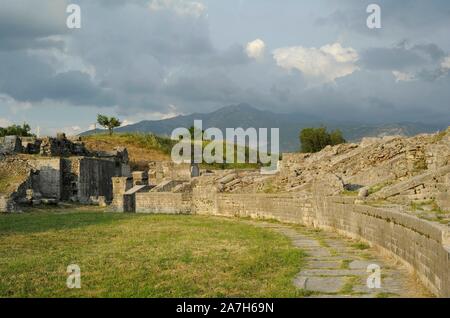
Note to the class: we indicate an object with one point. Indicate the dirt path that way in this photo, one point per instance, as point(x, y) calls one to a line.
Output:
point(338, 267)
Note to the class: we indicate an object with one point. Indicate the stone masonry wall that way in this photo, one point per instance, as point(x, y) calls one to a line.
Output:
point(6, 204)
point(121, 202)
point(95, 178)
point(49, 181)
point(422, 245)
point(163, 202)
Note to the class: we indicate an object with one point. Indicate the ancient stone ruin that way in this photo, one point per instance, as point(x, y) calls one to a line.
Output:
point(49, 170)
point(392, 192)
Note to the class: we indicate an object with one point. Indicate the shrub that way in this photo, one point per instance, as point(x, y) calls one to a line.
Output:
point(315, 139)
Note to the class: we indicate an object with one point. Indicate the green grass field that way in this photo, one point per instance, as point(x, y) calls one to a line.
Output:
point(129, 255)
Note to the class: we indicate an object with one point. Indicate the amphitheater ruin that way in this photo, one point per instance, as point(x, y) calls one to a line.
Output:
point(391, 192)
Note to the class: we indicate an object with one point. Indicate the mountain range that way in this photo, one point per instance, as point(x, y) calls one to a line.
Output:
point(245, 116)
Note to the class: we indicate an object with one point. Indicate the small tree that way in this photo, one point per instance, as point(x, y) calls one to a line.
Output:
point(16, 130)
point(315, 139)
point(194, 130)
point(337, 138)
point(108, 122)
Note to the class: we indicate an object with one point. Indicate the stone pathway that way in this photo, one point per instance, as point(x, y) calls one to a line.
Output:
point(337, 266)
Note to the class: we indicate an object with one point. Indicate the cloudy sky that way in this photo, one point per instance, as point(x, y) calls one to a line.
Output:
point(153, 59)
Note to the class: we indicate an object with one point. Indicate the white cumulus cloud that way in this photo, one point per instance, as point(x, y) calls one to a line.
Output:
point(255, 49)
point(126, 122)
point(446, 63)
point(403, 77)
point(4, 122)
point(180, 7)
point(322, 65)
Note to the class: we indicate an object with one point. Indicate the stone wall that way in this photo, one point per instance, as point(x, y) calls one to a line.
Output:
point(423, 246)
point(164, 202)
point(122, 203)
point(167, 170)
point(10, 144)
point(78, 179)
point(49, 182)
point(94, 178)
point(7, 204)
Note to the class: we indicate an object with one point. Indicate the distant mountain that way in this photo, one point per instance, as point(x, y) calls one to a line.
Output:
point(245, 116)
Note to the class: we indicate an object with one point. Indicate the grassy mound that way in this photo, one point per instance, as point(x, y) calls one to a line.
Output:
point(129, 255)
point(12, 174)
point(142, 148)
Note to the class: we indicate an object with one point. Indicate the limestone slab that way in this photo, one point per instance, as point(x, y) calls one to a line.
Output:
point(320, 284)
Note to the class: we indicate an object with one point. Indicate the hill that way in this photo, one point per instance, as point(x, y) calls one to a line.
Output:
point(142, 148)
point(245, 116)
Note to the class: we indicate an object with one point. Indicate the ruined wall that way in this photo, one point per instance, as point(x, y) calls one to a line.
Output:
point(10, 144)
point(94, 178)
point(3, 203)
point(6, 204)
point(424, 246)
point(122, 203)
point(167, 170)
point(74, 178)
point(49, 182)
point(163, 202)
point(70, 172)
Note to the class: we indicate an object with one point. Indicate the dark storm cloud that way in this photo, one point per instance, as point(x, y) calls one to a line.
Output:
point(144, 60)
point(399, 18)
point(431, 50)
point(213, 87)
point(390, 59)
point(26, 78)
point(27, 24)
point(421, 61)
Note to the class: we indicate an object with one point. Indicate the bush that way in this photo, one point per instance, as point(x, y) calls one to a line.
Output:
point(315, 139)
point(16, 130)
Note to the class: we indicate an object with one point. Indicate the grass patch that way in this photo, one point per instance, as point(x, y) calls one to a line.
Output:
point(350, 193)
point(432, 206)
point(10, 180)
point(361, 246)
point(439, 136)
point(345, 263)
point(350, 283)
point(135, 255)
point(14, 170)
point(322, 241)
point(145, 147)
point(269, 187)
point(141, 147)
point(377, 187)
